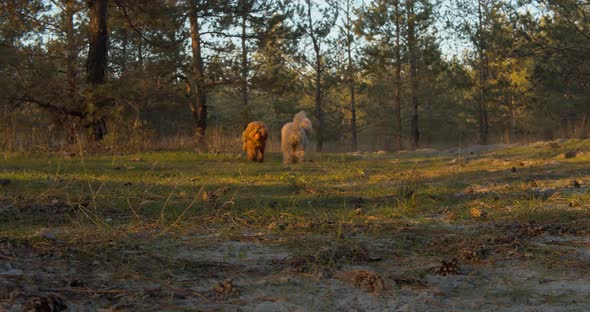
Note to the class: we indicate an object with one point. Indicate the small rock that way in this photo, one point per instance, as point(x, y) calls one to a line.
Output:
point(47, 234)
point(277, 226)
point(570, 154)
point(50, 302)
point(576, 184)
point(356, 202)
point(513, 169)
point(574, 203)
point(179, 296)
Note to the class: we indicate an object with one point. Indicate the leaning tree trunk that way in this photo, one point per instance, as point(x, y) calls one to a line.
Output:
point(415, 131)
point(97, 61)
point(198, 104)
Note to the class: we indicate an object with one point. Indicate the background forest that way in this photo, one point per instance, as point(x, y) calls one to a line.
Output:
point(373, 75)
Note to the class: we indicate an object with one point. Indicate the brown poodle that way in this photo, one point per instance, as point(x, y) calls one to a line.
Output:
point(254, 138)
point(294, 138)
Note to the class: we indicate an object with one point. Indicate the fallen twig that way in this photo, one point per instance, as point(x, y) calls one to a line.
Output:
point(85, 290)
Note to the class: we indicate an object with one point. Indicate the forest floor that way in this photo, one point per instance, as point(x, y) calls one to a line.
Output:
point(502, 228)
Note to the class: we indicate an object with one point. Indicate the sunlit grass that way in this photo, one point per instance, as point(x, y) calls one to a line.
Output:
point(165, 186)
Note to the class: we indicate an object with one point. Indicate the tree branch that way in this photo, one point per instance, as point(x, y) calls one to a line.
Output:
point(49, 106)
point(140, 33)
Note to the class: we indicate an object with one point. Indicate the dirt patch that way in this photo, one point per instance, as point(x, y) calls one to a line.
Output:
point(55, 207)
point(261, 273)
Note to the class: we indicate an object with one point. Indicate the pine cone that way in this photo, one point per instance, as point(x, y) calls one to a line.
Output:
point(367, 280)
point(478, 213)
point(470, 255)
point(452, 216)
point(226, 289)
point(209, 196)
point(535, 230)
point(448, 267)
point(221, 191)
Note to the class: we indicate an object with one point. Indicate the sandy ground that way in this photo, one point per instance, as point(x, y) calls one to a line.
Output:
point(261, 273)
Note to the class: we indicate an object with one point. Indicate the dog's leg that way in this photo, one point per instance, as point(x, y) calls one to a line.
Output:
point(251, 153)
point(261, 154)
point(287, 156)
point(299, 154)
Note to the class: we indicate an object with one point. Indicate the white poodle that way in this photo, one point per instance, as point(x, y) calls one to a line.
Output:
point(294, 137)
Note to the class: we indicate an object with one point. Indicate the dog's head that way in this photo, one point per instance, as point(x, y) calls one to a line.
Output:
point(256, 131)
point(260, 133)
point(305, 124)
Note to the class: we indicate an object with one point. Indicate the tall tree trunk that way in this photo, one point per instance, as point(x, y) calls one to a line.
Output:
point(352, 106)
point(198, 104)
point(512, 115)
point(71, 54)
point(415, 131)
point(97, 59)
point(318, 102)
point(125, 45)
point(71, 60)
point(97, 51)
point(351, 77)
point(245, 69)
point(584, 130)
point(397, 105)
point(140, 54)
point(318, 80)
point(483, 113)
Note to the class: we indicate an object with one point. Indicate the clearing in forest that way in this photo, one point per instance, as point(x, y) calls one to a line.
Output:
point(482, 228)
